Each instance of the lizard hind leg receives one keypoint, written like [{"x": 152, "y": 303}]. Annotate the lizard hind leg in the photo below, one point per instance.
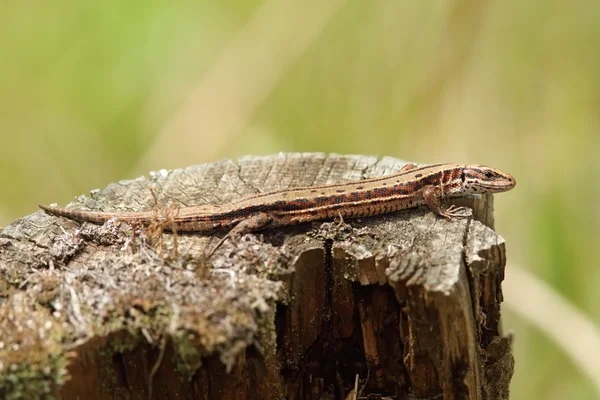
[{"x": 254, "y": 223}]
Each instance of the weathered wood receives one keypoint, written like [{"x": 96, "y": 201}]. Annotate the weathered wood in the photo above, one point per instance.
[{"x": 409, "y": 303}]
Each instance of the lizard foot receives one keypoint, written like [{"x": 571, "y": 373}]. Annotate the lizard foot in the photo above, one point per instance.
[{"x": 457, "y": 212}]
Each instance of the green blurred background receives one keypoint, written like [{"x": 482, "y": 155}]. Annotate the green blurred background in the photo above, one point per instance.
[{"x": 95, "y": 92}]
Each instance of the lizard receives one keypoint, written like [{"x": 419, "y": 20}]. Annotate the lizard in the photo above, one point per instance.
[{"x": 411, "y": 187}]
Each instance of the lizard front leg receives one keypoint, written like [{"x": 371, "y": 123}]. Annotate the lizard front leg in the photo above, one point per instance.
[
  {"x": 407, "y": 167},
  {"x": 432, "y": 198}
]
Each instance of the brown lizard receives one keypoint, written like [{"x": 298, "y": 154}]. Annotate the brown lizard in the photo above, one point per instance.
[{"x": 411, "y": 187}]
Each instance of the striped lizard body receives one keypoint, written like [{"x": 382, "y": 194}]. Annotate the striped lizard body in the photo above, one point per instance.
[{"x": 411, "y": 187}]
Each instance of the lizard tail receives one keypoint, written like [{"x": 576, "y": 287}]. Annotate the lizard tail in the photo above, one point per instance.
[{"x": 97, "y": 217}]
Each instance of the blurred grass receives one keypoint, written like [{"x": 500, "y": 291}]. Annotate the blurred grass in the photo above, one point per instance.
[{"x": 89, "y": 93}]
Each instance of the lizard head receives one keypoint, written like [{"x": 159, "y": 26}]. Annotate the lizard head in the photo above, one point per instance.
[{"x": 482, "y": 179}]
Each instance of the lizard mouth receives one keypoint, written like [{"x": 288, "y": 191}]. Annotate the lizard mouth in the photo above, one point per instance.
[{"x": 498, "y": 187}]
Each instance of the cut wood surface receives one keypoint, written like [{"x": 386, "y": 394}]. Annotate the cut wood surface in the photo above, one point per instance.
[{"x": 400, "y": 306}]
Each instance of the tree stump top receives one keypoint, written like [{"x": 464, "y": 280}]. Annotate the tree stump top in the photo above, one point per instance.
[{"x": 408, "y": 303}]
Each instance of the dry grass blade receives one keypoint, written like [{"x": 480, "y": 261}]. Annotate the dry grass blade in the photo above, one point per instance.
[{"x": 557, "y": 318}]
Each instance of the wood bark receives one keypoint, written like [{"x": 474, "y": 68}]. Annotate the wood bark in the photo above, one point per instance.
[{"x": 400, "y": 306}]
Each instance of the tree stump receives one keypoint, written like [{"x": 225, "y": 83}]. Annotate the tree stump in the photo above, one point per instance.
[{"x": 400, "y": 306}]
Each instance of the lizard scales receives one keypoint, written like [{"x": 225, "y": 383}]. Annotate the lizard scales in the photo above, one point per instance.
[{"x": 411, "y": 187}]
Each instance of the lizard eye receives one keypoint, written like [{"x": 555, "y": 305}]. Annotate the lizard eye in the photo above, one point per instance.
[{"x": 489, "y": 174}]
